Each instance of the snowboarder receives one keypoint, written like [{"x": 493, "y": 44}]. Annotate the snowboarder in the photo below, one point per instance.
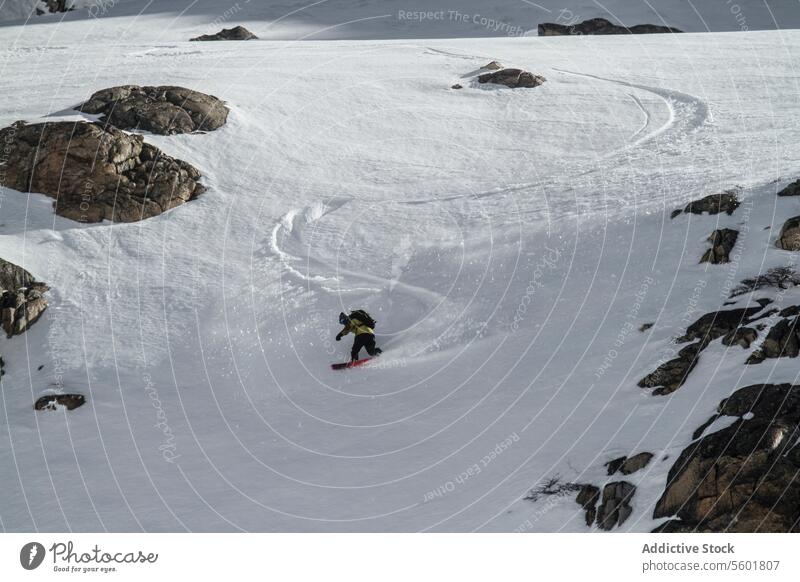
[{"x": 361, "y": 325}]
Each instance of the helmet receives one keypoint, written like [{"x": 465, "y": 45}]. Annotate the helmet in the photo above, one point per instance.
[{"x": 343, "y": 319}]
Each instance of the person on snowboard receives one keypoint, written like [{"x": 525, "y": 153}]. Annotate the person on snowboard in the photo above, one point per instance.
[{"x": 361, "y": 325}]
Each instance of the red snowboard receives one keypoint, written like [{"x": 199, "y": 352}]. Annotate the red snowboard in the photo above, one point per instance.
[{"x": 346, "y": 365}]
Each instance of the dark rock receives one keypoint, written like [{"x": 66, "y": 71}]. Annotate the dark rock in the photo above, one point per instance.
[
  {"x": 456, "y": 86},
  {"x": 513, "y": 78},
  {"x": 726, "y": 202},
  {"x": 792, "y": 189},
  {"x": 162, "y": 110},
  {"x": 600, "y": 26},
  {"x": 722, "y": 243},
  {"x": 743, "y": 336},
  {"x": 53, "y": 401},
  {"x": 742, "y": 478},
  {"x": 672, "y": 374},
  {"x": 717, "y": 324},
  {"x": 782, "y": 341},
  {"x": 236, "y": 33},
  {"x": 614, "y": 465},
  {"x": 645, "y": 326},
  {"x": 790, "y": 311},
  {"x": 587, "y": 498},
  {"x": 54, "y": 6},
  {"x": 789, "y": 238},
  {"x": 94, "y": 172},
  {"x": 635, "y": 463},
  {"x": 615, "y": 508},
  {"x": 22, "y": 299},
  {"x": 493, "y": 66}
]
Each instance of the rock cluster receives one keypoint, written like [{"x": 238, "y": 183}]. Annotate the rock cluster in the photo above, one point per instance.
[
  {"x": 726, "y": 202},
  {"x": 22, "y": 299},
  {"x": 54, "y": 6},
  {"x": 95, "y": 172},
  {"x": 53, "y": 401},
  {"x": 742, "y": 478},
  {"x": 235, "y": 33},
  {"x": 782, "y": 341},
  {"x": 722, "y": 242},
  {"x": 513, "y": 78},
  {"x": 164, "y": 110},
  {"x": 628, "y": 465},
  {"x": 672, "y": 374},
  {"x": 600, "y": 26}
]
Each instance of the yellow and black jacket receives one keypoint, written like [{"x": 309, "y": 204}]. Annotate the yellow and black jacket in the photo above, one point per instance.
[{"x": 356, "y": 327}]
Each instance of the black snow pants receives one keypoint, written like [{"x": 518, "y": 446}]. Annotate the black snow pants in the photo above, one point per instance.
[{"x": 364, "y": 340}]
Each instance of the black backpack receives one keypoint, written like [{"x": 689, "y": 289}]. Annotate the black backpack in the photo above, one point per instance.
[{"x": 364, "y": 318}]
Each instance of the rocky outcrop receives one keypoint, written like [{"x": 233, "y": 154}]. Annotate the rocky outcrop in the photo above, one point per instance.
[
  {"x": 615, "y": 507},
  {"x": 235, "y": 33},
  {"x": 742, "y": 478},
  {"x": 672, "y": 374},
  {"x": 789, "y": 238},
  {"x": 163, "y": 110},
  {"x": 94, "y": 172},
  {"x": 600, "y": 26},
  {"x": 54, "y": 401},
  {"x": 726, "y": 202},
  {"x": 588, "y": 496},
  {"x": 22, "y": 299},
  {"x": 722, "y": 242},
  {"x": 792, "y": 189},
  {"x": 513, "y": 78},
  {"x": 742, "y": 336},
  {"x": 628, "y": 465},
  {"x": 782, "y": 341},
  {"x": 54, "y": 6}
]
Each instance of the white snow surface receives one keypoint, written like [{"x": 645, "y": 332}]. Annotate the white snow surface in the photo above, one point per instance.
[{"x": 509, "y": 242}]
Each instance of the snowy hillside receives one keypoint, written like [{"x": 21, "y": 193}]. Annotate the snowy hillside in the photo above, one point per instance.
[
  {"x": 382, "y": 19},
  {"x": 510, "y": 243}
]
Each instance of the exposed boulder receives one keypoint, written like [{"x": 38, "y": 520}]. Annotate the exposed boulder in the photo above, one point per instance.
[
  {"x": 742, "y": 336},
  {"x": 615, "y": 508},
  {"x": 628, "y": 465},
  {"x": 671, "y": 375},
  {"x": 163, "y": 110},
  {"x": 722, "y": 242},
  {"x": 513, "y": 78},
  {"x": 635, "y": 463},
  {"x": 588, "y": 496},
  {"x": 726, "y": 202},
  {"x": 54, "y": 6},
  {"x": 742, "y": 478},
  {"x": 53, "y": 401},
  {"x": 600, "y": 26},
  {"x": 792, "y": 189},
  {"x": 456, "y": 86},
  {"x": 235, "y": 33},
  {"x": 94, "y": 172},
  {"x": 782, "y": 341},
  {"x": 718, "y": 323},
  {"x": 22, "y": 299},
  {"x": 789, "y": 238}
]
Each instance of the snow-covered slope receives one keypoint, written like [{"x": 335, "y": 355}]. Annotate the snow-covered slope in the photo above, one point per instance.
[
  {"x": 372, "y": 19},
  {"x": 509, "y": 242}
]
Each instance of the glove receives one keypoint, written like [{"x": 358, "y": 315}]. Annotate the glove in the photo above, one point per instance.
[{"x": 338, "y": 337}]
